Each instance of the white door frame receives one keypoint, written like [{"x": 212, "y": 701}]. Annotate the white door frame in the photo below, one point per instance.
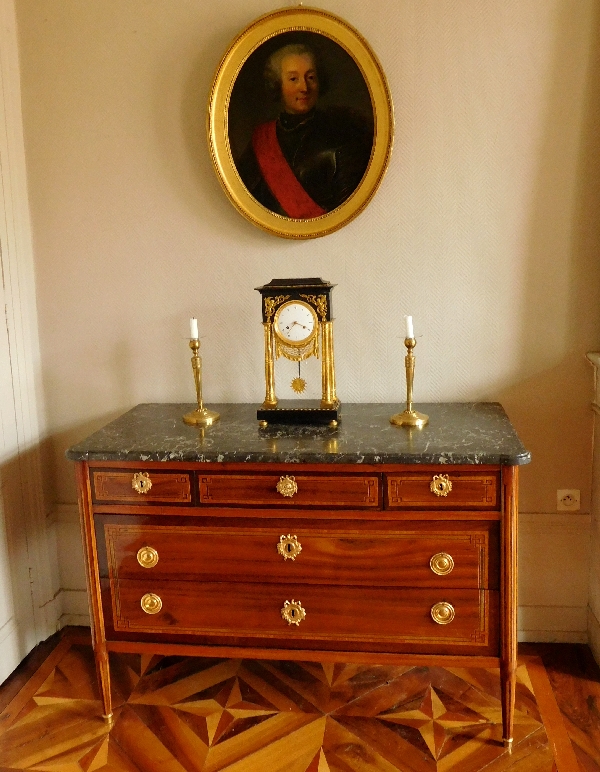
[{"x": 29, "y": 595}]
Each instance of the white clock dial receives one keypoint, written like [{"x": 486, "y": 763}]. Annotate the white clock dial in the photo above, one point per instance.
[{"x": 295, "y": 322}]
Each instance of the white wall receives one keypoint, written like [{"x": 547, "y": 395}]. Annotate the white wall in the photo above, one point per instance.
[{"x": 485, "y": 228}]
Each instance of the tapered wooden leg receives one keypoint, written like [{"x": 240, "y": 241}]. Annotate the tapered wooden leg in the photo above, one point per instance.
[
  {"x": 508, "y": 601},
  {"x": 507, "y": 674},
  {"x": 94, "y": 591},
  {"x": 103, "y": 672}
]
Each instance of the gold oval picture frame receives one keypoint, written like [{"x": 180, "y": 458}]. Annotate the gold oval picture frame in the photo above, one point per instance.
[{"x": 300, "y": 123}]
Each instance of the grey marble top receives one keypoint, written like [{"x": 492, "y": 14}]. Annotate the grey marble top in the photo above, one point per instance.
[{"x": 457, "y": 433}]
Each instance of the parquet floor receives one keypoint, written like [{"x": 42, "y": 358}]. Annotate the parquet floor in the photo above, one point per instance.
[{"x": 180, "y": 714}]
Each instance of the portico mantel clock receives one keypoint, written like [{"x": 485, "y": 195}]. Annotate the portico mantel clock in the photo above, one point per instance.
[{"x": 298, "y": 324}]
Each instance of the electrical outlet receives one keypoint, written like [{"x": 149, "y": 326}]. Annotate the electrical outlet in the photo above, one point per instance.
[{"x": 568, "y": 500}]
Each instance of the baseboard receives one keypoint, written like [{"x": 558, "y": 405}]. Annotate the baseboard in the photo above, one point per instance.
[
  {"x": 525, "y": 636},
  {"x": 554, "y": 564},
  {"x": 65, "y": 513},
  {"x": 552, "y": 624},
  {"x": 551, "y": 547},
  {"x": 593, "y": 627},
  {"x": 51, "y": 612},
  {"x": 74, "y": 620},
  {"x": 545, "y": 636},
  {"x": 74, "y": 608},
  {"x": 74, "y": 602},
  {"x": 12, "y": 652}
]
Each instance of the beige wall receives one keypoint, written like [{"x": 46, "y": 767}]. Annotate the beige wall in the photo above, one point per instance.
[{"x": 486, "y": 227}]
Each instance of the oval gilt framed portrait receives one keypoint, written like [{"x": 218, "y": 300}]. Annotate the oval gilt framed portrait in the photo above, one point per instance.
[{"x": 300, "y": 123}]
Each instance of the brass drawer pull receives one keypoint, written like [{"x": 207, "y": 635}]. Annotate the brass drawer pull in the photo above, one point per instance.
[
  {"x": 289, "y": 547},
  {"x": 287, "y": 486},
  {"x": 292, "y": 612},
  {"x": 442, "y": 613},
  {"x": 147, "y": 557},
  {"x": 441, "y": 485},
  {"x": 442, "y": 563},
  {"x": 151, "y": 603},
  {"x": 141, "y": 482}
]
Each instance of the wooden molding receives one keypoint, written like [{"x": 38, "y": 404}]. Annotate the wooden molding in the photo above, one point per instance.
[{"x": 23, "y": 509}]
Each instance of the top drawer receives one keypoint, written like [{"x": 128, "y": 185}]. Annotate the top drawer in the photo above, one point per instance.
[
  {"x": 141, "y": 487},
  {"x": 443, "y": 490},
  {"x": 300, "y": 490}
]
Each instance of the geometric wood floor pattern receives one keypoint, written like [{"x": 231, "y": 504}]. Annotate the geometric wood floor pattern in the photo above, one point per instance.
[{"x": 188, "y": 714}]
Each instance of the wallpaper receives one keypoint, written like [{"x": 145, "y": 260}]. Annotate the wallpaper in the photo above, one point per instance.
[{"x": 485, "y": 228}]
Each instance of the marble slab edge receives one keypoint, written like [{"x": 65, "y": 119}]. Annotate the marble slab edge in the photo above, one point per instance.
[
  {"x": 458, "y": 433},
  {"x": 304, "y": 458}
]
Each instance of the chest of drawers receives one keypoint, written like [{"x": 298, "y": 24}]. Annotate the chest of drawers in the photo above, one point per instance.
[{"x": 366, "y": 542}]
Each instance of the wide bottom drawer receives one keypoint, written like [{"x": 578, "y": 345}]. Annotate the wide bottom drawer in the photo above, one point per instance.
[{"x": 346, "y": 615}]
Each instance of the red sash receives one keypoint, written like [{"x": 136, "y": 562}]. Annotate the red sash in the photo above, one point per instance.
[{"x": 280, "y": 178}]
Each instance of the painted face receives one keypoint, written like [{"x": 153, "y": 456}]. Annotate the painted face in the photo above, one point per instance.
[{"x": 299, "y": 83}]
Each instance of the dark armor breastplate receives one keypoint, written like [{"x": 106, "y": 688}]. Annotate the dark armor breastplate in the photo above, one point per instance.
[{"x": 329, "y": 160}]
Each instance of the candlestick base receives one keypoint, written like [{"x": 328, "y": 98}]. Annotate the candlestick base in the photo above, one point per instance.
[
  {"x": 201, "y": 417},
  {"x": 410, "y": 418}
]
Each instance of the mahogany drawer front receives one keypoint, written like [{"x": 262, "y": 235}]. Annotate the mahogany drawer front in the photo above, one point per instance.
[
  {"x": 345, "y": 614},
  {"x": 349, "y": 491},
  {"x": 443, "y": 490},
  {"x": 141, "y": 487},
  {"x": 410, "y": 558}
]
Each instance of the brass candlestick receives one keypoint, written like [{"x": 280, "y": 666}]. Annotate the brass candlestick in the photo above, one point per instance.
[
  {"x": 409, "y": 417},
  {"x": 201, "y": 416}
]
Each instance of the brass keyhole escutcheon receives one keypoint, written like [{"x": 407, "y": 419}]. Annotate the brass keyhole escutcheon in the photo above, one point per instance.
[
  {"x": 289, "y": 547},
  {"x": 141, "y": 482},
  {"x": 292, "y": 612},
  {"x": 441, "y": 485},
  {"x": 442, "y": 563},
  {"x": 151, "y": 603},
  {"x": 147, "y": 557},
  {"x": 287, "y": 486},
  {"x": 442, "y": 613}
]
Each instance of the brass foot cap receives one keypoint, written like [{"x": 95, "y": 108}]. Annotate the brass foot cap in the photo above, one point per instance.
[{"x": 508, "y": 743}]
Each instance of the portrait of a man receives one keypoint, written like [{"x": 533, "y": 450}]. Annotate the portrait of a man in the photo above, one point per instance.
[{"x": 300, "y": 125}]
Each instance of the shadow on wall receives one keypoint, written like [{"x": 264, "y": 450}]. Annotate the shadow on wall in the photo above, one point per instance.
[
  {"x": 62, "y": 469},
  {"x": 114, "y": 384},
  {"x": 550, "y": 407},
  {"x": 191, "y": 173}
]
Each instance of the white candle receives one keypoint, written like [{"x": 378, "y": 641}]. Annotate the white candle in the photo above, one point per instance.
[
  {"x": 194, "y": 328},
  {"x": 409, "y": 327}
]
